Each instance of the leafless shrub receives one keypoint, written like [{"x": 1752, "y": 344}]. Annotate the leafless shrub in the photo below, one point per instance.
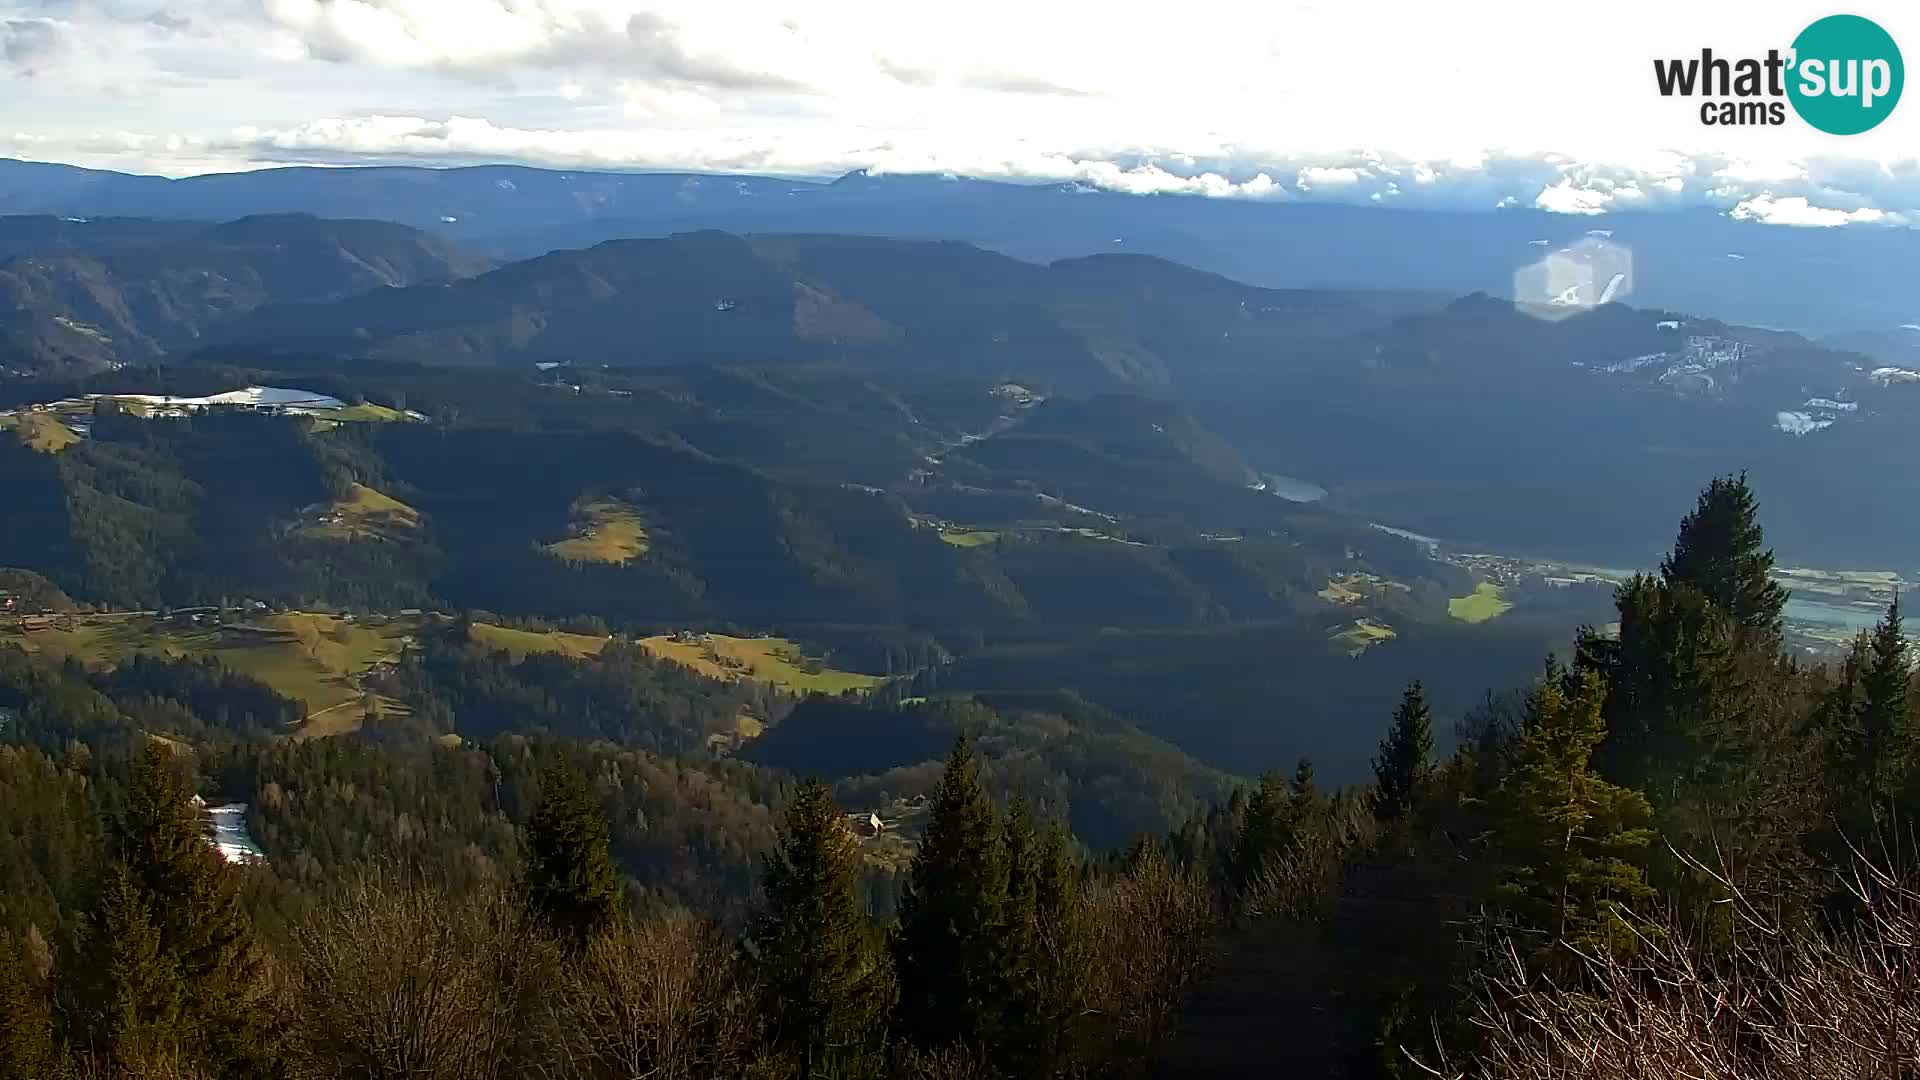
[
  {"x": 1780, "y": 1001},
  {"x": 661, "y": 999},
  {"x": 394, "y": 979},
  {"x": 1301, "y": 882},
  {"x": 152, "y": 1065},
  {"x": 951, "y": 1063},
  {"x": 1297, "y": 883},
  {"x": 1148, "y": 940}
]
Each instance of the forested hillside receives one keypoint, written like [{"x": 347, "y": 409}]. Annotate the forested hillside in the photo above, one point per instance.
[
  {"x": 1400, "y": 406},
  {"x": 1680, "y": 257},
  {"x": 961, "y": 529},
  {"x": 1674, "y": 852},
  {"x": 118, "y": 292}
]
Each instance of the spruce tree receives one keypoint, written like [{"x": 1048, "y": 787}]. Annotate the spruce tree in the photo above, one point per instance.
[
  {"x": 1057, "y": 877},
  {"x": 1303, "y": 792},
  {"x": 951, "y": 916},
  {"x": 1719, "y": 552},
  {"x": 570, "y": 881},
  {"x": 1265, "y": 829},
  {"x": 26, "y": 1015},
  {"x": 822, "y": 982},
  {"x": 136, "y": 993},
  {"x": 1019, "y": 1044},
  {"x": 174, "y": 881},
  {"x": 1406, "y": 756},
  {"x": 1570, "y": 842},
  {"x": 1676, "y": 694},
  {"x": 1063, "y": 952},
  {"x": 1306, "y": 808},
  {"x": 1885, "y": 747}
]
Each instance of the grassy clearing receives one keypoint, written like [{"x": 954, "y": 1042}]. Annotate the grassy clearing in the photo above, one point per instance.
[
  {"x": 605, "y": 531},
  {"x": 43, "y": 432},
  {"x": 769, "y": 660},
  {"x": 966, "y": 538},
  {"x": 519, "y": 643},
  {"x": 365, "y": 512},
  {"x": 367, "y": 413},
  {"x": 1488, "y": 601},
  {"x": 1353, "y": 588},
  {"x": 314, "y": 658},
  {"x": 1360, "y": 635}
]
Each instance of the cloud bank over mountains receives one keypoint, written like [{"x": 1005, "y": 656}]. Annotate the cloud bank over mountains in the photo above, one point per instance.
[{"x": 1302, "y": 101}]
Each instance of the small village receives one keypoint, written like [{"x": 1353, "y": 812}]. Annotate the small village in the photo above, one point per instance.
[{"x": 889, "y": 833}]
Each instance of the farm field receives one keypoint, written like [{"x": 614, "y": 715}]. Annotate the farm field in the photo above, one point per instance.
[
  {"x": 314, "y": 658},
  {"x": 1353, "y": 588},
  {"x": 1488, "y": 601},
  {"x": 771, "y": 660},
  {"x": 519, "y": 643},
  {"x": 367, "y": 413},
  {"x": 365, "y": 512},
  {"x": 605, "y": 531},
  {"x": 41, "y": 431},
  {"x": 966, "y": 538},
  {"x": 1360, "y": 635}
]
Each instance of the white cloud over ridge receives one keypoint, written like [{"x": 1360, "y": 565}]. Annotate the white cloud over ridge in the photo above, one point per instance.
[{"x": 1525, "y": 108}]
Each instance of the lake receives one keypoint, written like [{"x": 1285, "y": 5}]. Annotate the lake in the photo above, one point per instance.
[{"x": 1851, "y": 616}]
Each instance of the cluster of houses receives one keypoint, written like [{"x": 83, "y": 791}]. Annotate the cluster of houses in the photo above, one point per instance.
[{"x": 907, "y": 815}]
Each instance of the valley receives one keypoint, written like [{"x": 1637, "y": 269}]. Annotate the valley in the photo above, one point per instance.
[
  {"x": 602, "y": 539},
  {"x": 334, "y": 663},
  {"x": 1232, "y": 602},
  {"x": 1006, "y": 476}
]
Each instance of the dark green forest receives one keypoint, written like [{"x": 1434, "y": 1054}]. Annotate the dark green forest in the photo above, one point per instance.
[
  {"x": 1676, "y": 851},
  {"x": 1127, "y": 560},
  {"x": 1150, "y": 769}
]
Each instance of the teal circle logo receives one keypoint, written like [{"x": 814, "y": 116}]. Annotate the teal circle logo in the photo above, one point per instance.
[{"x": 1846, "y": 74}]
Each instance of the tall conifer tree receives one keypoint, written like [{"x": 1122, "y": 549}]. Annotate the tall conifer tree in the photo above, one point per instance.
[
  {"x": 1406, "y": 756},
  {"x": 174, "y": 884},
  {"x": 951, "y": 917},
  {"x": 26, "y": 1015},
  {"x": 1021, "y": 1037},
  {"x": 1571, "y": 843},
  {"x": 137, "y": 994},
  {"x": 571, "y": 883},
  {"x": 1720, "y": 553},
  {"x": 823, "y": 982},
  {"x": 1265, "y": 829}
]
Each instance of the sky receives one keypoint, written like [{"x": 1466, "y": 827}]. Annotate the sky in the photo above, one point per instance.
[{"x": 1473, "y": 105}]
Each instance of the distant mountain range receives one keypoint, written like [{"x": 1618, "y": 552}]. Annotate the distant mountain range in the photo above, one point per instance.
[
  {"x": 1821, "y": 281},
  {"x": 1105, "y": 322},
  {"x": 121, "y": 291},
  {"x": 1554, "y": 429}
]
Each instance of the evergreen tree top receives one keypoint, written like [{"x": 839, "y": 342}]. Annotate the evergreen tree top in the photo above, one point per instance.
[
  {"x": 570, "y": 879},
  {"x": 1406, "y": 755},
  {"x": 1720, "y": 551},
  {"x": 822, "y": 983}
]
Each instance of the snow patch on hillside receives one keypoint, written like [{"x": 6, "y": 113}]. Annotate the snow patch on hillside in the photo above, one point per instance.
[
  {"x": 227, "y": 831},
  {"x": 1798, "y": 423},
  {"x": 255, "y": 397}
]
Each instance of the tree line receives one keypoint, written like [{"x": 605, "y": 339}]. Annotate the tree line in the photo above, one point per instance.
[
  {"x": 1675, "y": 853},
  {"x": 1683, "y": 851},
  {"x": 1008, "y": 954}
]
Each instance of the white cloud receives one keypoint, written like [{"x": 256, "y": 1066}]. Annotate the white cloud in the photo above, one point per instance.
[
  {"x": 1540, "y": 107},
  {"x": 1320, "y": 176},
  {"x": 1796, "y": 210}
]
